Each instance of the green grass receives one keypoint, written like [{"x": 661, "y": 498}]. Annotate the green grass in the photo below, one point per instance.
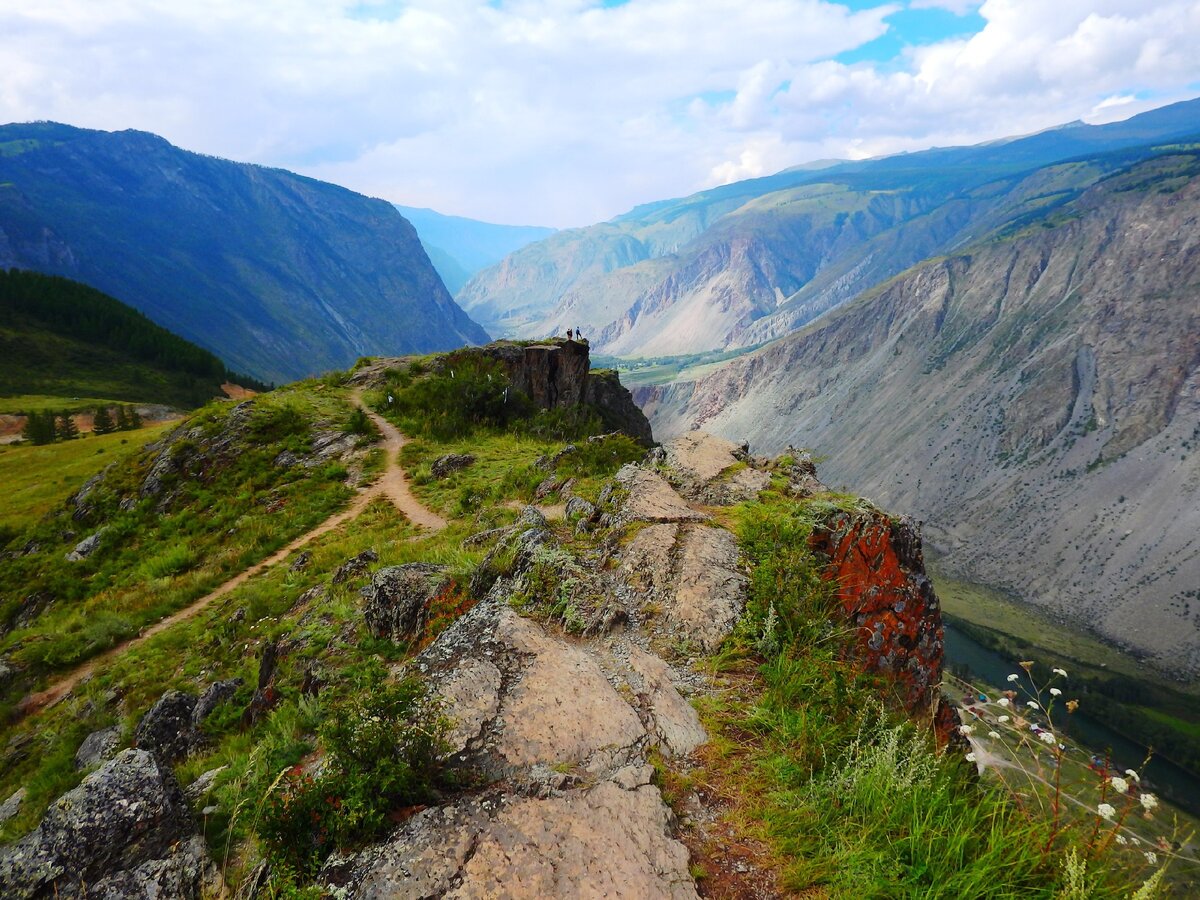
[
  {"x": 35, "y": 480},
  {"x": 851, "y": 797},
  {"x": 25, "y": 403},
  {"x": 215, "y": 516}
]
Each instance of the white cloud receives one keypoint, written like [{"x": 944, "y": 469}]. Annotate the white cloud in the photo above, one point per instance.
[{"x": 564, "y": 112}]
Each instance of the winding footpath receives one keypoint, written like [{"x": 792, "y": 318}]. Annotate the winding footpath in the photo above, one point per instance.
[{"x": 393, "y": 484}]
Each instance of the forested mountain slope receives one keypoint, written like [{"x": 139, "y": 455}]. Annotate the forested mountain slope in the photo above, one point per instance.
[
  {"x": 61, "y": 338},
  {"x": 279, "y": 275}
]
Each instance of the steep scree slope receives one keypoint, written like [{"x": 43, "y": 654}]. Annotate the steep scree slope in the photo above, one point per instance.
[{"x": 1035, "y": 400}]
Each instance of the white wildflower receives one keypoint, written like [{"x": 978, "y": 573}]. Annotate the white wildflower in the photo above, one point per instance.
[
  {"x": 1060, "y": 672},
  {"x": 1120, "y": 785},
  {"x": 1055, "y": 692},
  {"x": 1032, "y": 704},
  {"x": 1002, "y": 719},
  {"x": 1152, "y": 857},
  {"x": 970, "y": 757},
  {"x": 1106, "y": 810},
  {"x": 1014, "y": 677},
  {"x": 1122, "y": 840},
  {"x": 1133, "y": 775},
  {"x": 965, "y": 729},
  {"x": 1003, "y": 701},
  {"x": 1149, "y": 801},
  {"x": 1047, "y": 738},
  {"x": 994, "y": 735}
]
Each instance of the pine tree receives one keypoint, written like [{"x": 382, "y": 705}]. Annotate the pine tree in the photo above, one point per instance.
[
  {"x": 39, "y": 428},
  {"x": 135, "y": 419},
  {"x": 103, "y": 422},
  {"x": 67, "y": 429},
  {"x": 122, "y": 419}
]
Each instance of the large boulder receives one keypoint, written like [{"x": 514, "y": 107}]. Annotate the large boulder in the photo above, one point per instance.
[
  {"x": 126, "y": 831},
  {"x": 450, "y": 463},
  {"x": 397, "y": 599}
]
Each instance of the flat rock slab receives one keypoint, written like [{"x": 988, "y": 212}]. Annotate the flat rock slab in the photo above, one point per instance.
[
  {"x": 710, "y": 590},
  {"x": 652, "y": 499},
  {"x": 675, "y": 721},
  {"x": 612, "y": 841},
  {"x": 700, "y": 456},
  {"x": 646, "y": 561},
  {"x": 520, "y": 696}
]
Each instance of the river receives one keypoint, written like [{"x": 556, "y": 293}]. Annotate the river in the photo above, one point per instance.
[{"x": 1177, "y": 785}]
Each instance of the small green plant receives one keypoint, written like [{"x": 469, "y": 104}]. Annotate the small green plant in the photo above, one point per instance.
[
  {"x": 360, "y": 423},
  {"x": 382, "y": 748}
]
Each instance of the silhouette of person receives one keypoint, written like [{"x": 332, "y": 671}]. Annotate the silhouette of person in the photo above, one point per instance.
[{"x": 569, "y": 333}]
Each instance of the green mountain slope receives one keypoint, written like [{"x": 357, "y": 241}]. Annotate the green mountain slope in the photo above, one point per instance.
[
  {"x": 280, "y": 275},
  {"x": 65, "y": 339},
  {"x": 460, "y": 247},
  {"x": 747, "y": 262},
  {"x": 1034, "y": 397}
]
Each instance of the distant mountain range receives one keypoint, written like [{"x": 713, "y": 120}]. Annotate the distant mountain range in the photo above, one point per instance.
[
  {"x": 281, "y": 276},
  {"x": 742, "y": 264},
  {"x": 60, "y": 338},
  {"x": 1034, "y": 395},
  {"x": 460, "y": 247}
]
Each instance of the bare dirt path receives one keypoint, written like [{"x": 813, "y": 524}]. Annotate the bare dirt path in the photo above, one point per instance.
[{"x": 393, "y": 484}]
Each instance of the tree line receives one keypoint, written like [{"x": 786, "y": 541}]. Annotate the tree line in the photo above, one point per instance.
[
  {"x": 76, "y": 310},
  {"x": 47, "y": 427}
]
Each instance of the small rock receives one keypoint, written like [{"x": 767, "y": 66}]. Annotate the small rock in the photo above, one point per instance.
[
  {"x": 354, "y": 566},
  {"x": 203, "y": 784},
  {"x": 450, "y": 463},
  {"x": 86, "y": 547},
  {"x": 301, "y": 561},
  {"x": 580, "y": 509},
  {"x": 12, "y": 805},
  {"x": 99, "y": 746},
  {"x": 214, "y": 695},
  {"x": 397, "y": 599}
]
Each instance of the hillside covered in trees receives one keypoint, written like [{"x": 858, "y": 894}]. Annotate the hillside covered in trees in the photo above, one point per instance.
[{"x": 62, "y": 338}]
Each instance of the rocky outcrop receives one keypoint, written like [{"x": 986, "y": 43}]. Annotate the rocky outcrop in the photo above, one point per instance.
[
  {"x": 877, "y": 565},
  {"x": 99, "y": 746},
  {"x": 396, "y": 601},
  {"x": 450, "y": 463},
  {"x": 171, "y": 728},
  {"x": 126, "y": 831}
]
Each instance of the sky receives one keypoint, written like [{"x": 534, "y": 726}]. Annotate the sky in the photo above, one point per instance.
[{"x": 568, "y": 112}]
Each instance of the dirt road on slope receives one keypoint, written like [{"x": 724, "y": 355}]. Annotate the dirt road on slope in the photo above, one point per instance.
[{"x": 393, "y": 484}]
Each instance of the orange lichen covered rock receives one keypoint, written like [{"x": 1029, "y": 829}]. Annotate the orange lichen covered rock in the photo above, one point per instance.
[{"x": 879, "y": 569}]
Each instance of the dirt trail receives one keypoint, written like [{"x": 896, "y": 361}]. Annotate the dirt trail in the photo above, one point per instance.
[{"x": 393, "y": 484}]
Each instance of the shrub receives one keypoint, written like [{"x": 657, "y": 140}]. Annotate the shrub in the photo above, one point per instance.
[{"x": 382, "y": 753}]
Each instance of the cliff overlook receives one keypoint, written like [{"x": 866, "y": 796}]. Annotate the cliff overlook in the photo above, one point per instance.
[{"x": 433, "y": 627}]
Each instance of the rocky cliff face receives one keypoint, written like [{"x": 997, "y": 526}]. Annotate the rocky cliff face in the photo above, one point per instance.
[
  {"x": 553, "y": 374},
  {"x": 281, "y": 276},
  {"x": 1034, "y": 401}
]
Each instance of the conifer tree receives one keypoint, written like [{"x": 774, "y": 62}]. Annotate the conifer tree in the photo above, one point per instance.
[
  {"x": 39, "y": 428},
  {"x": 135, "y": 419},
  {"x": 122, "y": 419},
  {"x": 103, "y": 421},
  {"x": 67, "y": 429}
]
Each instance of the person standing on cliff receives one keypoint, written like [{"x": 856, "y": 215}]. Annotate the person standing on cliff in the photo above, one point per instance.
[
  {"x": 569, "y": 334},
  {"x": 579, "y": 334}
]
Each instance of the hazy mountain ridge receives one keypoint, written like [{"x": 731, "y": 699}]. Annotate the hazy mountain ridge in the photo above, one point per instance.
[
  {"x": 1034, "y": 398},
  {"x": 741, "y": 264},
  {"x": 280, "y": 275},
  {"x": 459, "y": 247}
]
